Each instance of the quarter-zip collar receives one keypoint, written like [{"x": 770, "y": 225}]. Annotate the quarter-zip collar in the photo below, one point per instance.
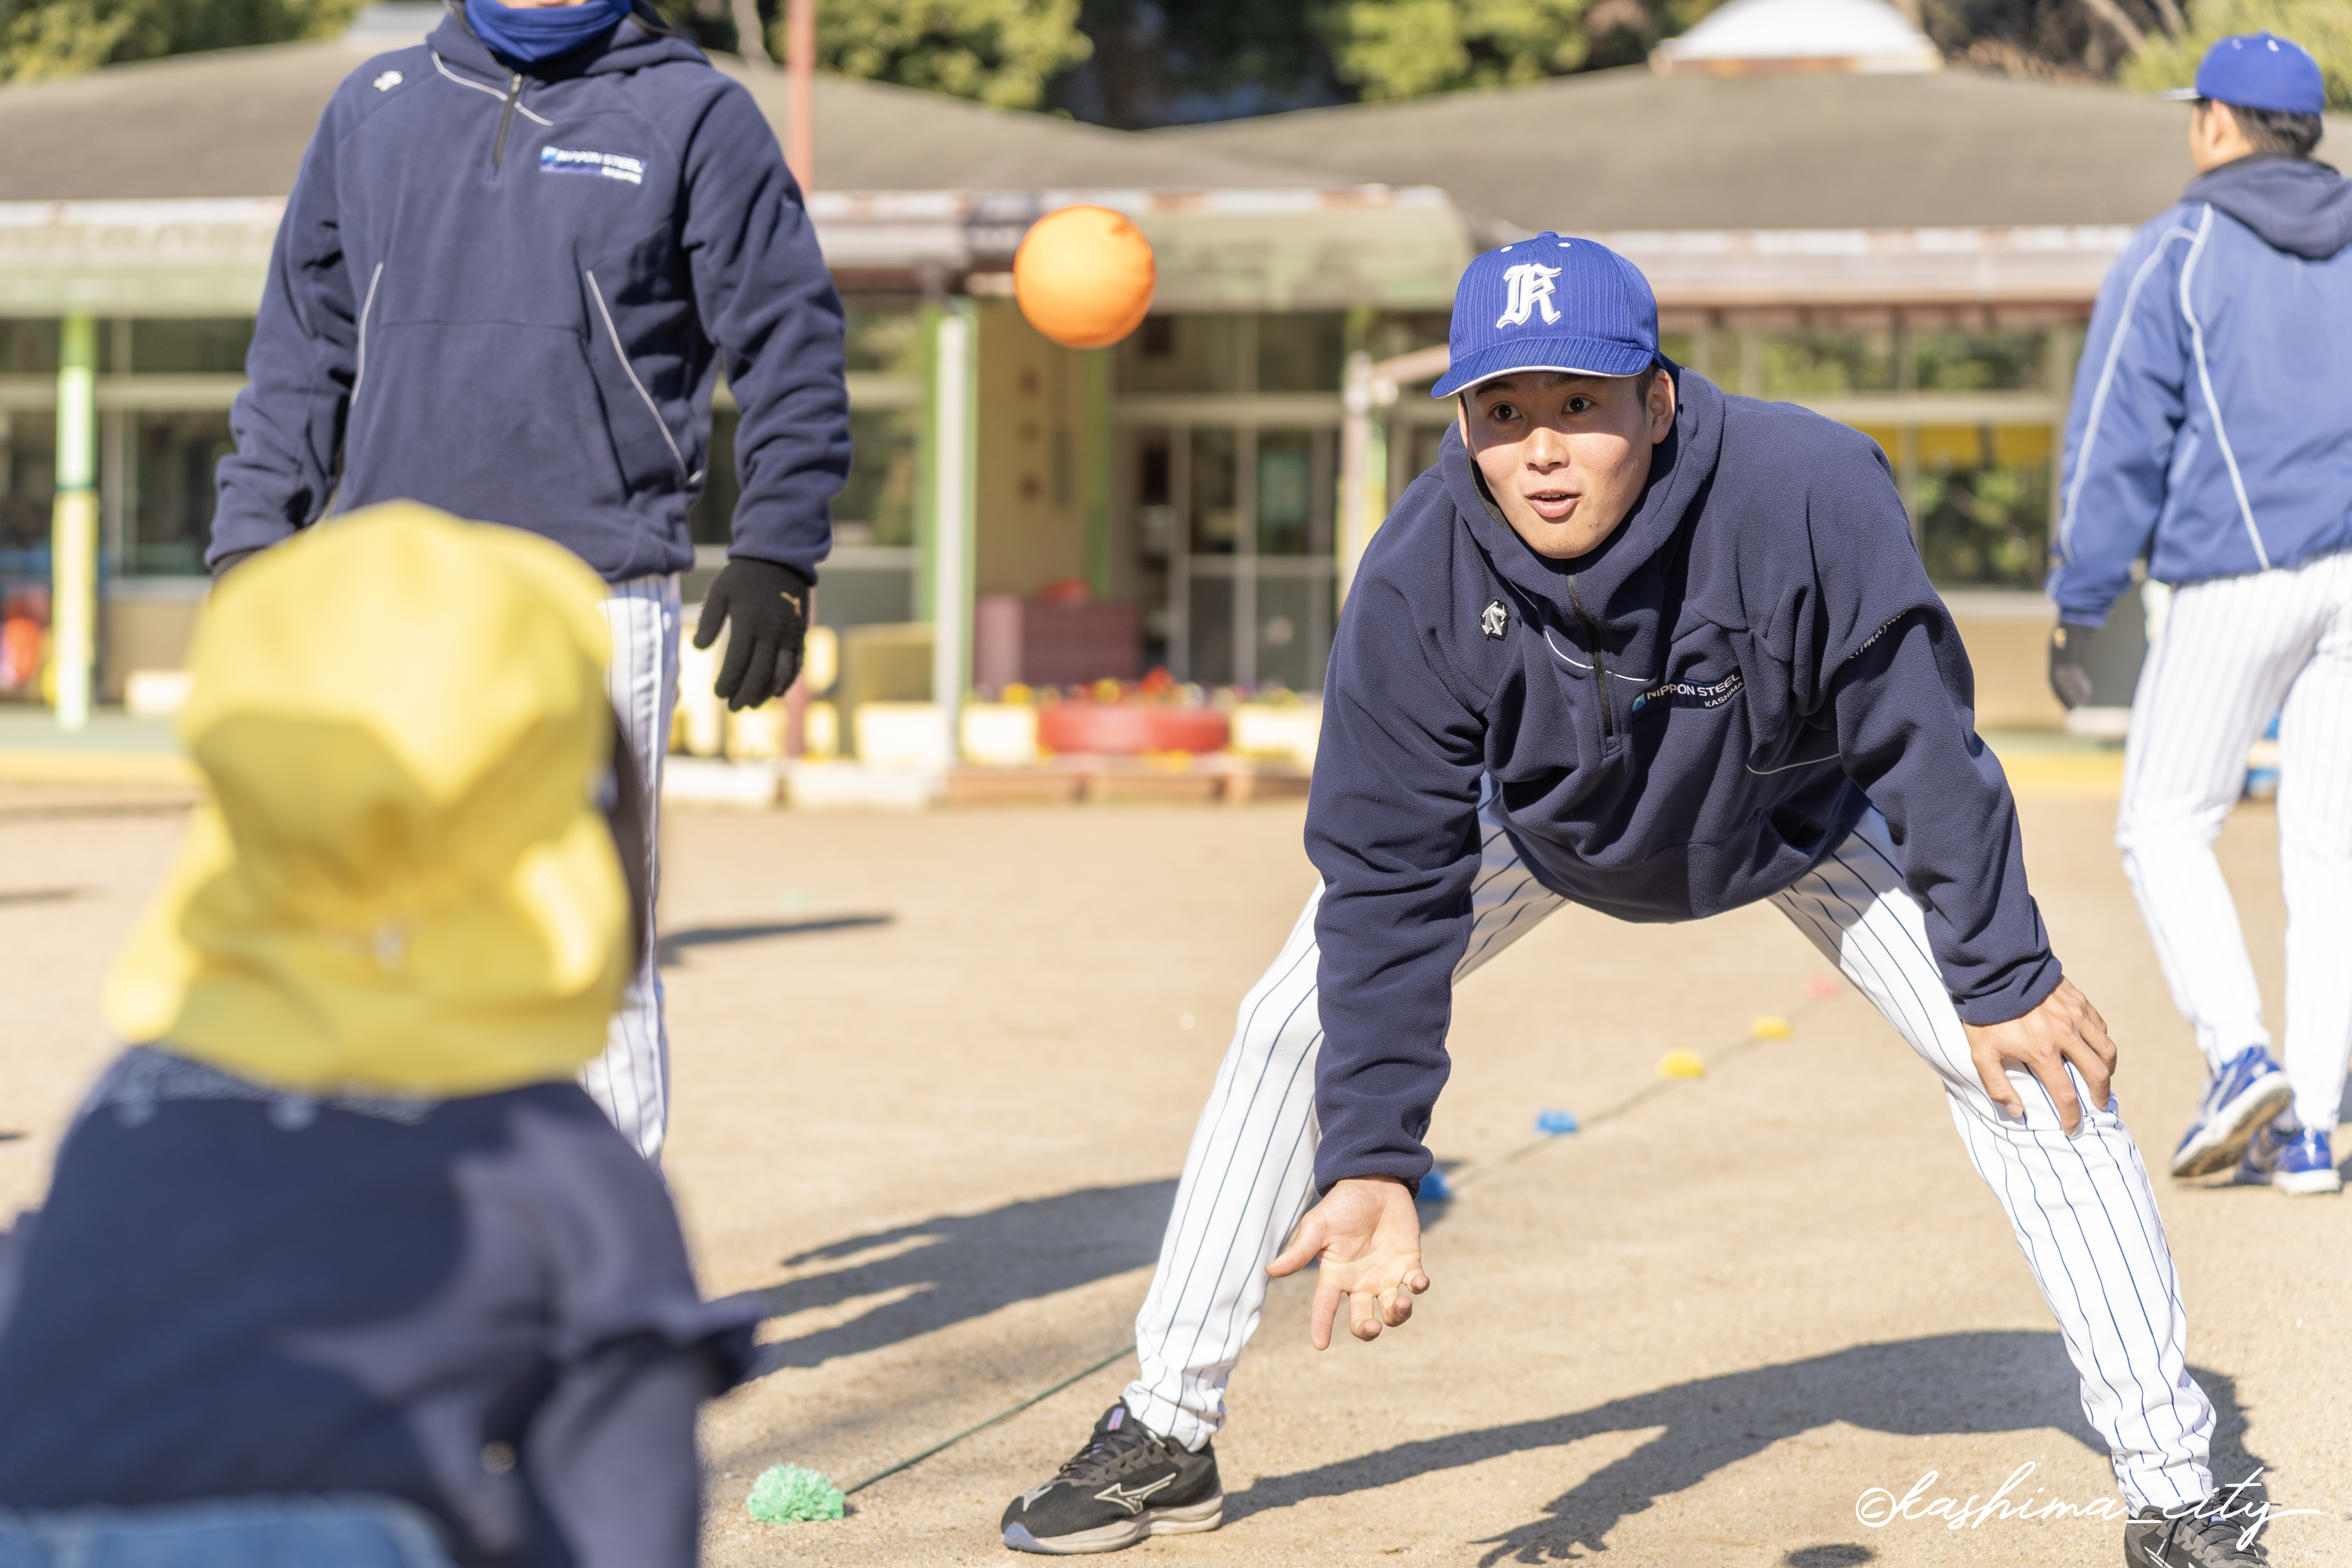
[
  {"x": 1606, "y": 601},
  {"x": 630, "y": 47}
]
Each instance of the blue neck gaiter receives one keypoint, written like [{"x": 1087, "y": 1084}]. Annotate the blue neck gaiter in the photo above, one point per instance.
[{"x": 526, "y": 34}]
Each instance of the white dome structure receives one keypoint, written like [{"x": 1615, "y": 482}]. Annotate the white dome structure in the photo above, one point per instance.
[{"x": 1754, "y": 37}]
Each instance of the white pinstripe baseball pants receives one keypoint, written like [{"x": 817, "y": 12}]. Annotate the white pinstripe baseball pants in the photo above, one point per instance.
[
  {"x": 2234, "y": 651},
  {"x": 2081, "y": 1207},
  {"x": 631, "y": 1079}
]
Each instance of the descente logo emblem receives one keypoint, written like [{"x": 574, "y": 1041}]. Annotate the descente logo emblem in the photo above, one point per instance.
[
  {"x": 1494, "y": 618},
  {"x": 576, "y": 161}
]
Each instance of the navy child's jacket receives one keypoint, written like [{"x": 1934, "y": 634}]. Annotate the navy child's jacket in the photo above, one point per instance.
[
  {"x": 503, "y": 294},
  {"x": 1682, "y": 722}
]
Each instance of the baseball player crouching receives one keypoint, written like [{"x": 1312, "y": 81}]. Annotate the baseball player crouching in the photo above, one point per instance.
[
  {"x": 1663, "y": 652},
  {"x": 2208, "y": 435}
]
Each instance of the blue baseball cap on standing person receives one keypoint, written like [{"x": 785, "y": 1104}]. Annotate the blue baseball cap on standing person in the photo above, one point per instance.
[
  {"x": 2258, "y": 70},
  {"x": 1549, "y": 303}
]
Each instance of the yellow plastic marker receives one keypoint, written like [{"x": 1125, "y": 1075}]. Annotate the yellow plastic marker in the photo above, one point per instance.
[
  {"x": 1771, "y": 1028},
  {"x": 1681, "y": 1064}
]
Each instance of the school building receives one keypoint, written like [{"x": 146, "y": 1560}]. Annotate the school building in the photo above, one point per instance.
[{"x": 1827, "y": 217}]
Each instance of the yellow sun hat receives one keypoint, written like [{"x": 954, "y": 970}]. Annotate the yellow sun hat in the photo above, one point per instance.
[{"x": 400, "y": 880}]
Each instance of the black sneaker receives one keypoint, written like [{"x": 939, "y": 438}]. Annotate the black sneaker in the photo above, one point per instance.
[
  {"x": 1127, "y": 1482},
  {"x": 2155, "y": 1538}
]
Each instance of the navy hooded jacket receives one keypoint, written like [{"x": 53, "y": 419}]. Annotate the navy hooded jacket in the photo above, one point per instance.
[
  {"x": 2211, "y": 428},
  {"x": 1683, "y": 721},
  {"x": 503, "y": 294}
]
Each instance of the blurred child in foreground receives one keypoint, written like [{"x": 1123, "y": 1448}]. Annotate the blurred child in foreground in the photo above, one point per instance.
[{"x": 339, "y": 1264}]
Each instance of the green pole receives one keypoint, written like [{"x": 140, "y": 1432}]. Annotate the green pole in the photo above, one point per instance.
[
  {"x": 1097, "y": 432},
  {"x": 73, "y": 526},
  {"x": 955, "y": 388}
]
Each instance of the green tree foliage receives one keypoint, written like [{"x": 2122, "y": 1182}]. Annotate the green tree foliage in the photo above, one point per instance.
[
  {"x": 1393, "y": 49},
  {"x": 2322, "y": 27},
  {"x": 64, "y": 37},
  {"x": 1000, "y": 52}
]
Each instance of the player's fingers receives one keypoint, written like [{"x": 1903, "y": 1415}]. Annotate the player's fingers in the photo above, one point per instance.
[
  {"x": 1994, "y": 1074},
  {"x": 774, "y": 670},
  {"x": 1302, "y": 1250},
  {"x": 2049, "y": 1064},
  {"x": 1396, "y": 1304},
  {"x": 734, "y": 667},
  {"x": 2094, "y": 1030},
  {"x": 1319, "y": 1316},
  {"x": 714, "y": 615},
  {"x": 759, "y": 671},
  {"x": 2097, "y": 1066},
  {"x": 1364, "y": 1315}
]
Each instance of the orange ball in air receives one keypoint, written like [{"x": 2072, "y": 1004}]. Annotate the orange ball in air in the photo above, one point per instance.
[{"x": 1083, "y": 277}]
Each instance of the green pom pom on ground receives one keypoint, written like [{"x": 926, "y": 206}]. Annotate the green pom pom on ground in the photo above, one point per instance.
[{"x": 787, "y": 1494}]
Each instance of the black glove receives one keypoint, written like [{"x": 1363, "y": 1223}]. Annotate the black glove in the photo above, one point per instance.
[
  {"x": 2070, "y": 674},
  {"x": 765, "y": 609}
]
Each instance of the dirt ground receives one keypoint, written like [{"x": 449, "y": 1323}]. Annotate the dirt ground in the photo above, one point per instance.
[{"x": 934, "y": 1078}]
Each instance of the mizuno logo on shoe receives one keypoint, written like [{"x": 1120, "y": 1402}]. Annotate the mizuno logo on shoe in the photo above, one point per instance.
[{"x": 1120, "y": 1497}]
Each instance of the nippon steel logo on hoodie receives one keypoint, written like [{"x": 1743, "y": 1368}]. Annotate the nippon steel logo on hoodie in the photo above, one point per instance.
[{"x": 576, "y": 161}]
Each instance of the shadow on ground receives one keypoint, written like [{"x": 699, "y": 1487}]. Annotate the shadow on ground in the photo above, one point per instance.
[
  {"x": 959, "y": 1267},
  {"x": 1975, "y": 1382},
  {"x": 671, "y": 950}
]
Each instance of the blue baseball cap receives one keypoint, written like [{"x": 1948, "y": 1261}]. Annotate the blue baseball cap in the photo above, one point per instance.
[
  {"x": 2258, "y": 70},
  {"x": 1549, "y": 303}
]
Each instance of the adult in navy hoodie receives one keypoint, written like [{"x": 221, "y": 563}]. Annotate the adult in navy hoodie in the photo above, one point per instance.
[
  {"x": 509, "y": 270},
  {"x": 1639, "y": 646},
  {"x": 2210, "y": 438}
]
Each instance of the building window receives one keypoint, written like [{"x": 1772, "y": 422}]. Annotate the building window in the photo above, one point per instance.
[
  {"x": 1983, "y": 504},
  {"x": 1206, "y": 353},
  {"x": 170, "y": 508},
  {"x": 28, "y": 347},
  {"x": 875, "y": 507},
  {"x": 1301, "y": 353},
  {"x": 886, "y": 339},
  {"x": 191, "y": 347}
]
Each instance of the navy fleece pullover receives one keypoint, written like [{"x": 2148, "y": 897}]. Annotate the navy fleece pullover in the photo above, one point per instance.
[
  {"x": 1682, "y": 722},
  {"x": 503, "y": 294}
]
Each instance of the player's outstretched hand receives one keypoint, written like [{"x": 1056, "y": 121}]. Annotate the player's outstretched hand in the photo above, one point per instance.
[
  {"x": 2064, "y": 1029},
  {"x": 764, "y": 608},
  {"x": 1368, "y": 1238}
]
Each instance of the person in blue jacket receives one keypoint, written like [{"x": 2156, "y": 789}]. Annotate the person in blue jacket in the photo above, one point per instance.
[
  {"x": 2211, "y": 438},
  {"x": 512, "y": 261},
  {"x": 1639, "y": 646}
]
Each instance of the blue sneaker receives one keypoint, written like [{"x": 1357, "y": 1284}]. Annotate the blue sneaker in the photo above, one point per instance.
[
  {"x": 2247, "y": 1091},
  {"x": 2298, "y": 1164}
]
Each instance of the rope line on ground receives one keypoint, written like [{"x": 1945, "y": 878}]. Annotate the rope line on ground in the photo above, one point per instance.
[
  {"x": 909, "y": 1464},
  {"x": 1647, "y": 1092}
]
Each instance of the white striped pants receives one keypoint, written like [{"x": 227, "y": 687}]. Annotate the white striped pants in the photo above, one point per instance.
[
  {"x": 2234, "y": 651},
  {"x": 631, "y": 1079},
  {"x": 2081, "y": 1206}
]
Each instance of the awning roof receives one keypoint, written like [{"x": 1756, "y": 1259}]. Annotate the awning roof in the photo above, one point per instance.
[
  {"x": 155, "y": 188},
  {"x": 1634, "y": 150}
]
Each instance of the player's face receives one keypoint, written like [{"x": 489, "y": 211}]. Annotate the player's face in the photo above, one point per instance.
[{"x": 1566, "y": 455}]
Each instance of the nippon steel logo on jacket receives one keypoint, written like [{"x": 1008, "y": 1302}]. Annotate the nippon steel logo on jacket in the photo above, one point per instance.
[
  {"x": 1690, "y": 693},
  {"x": 578, "y": 160}
]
